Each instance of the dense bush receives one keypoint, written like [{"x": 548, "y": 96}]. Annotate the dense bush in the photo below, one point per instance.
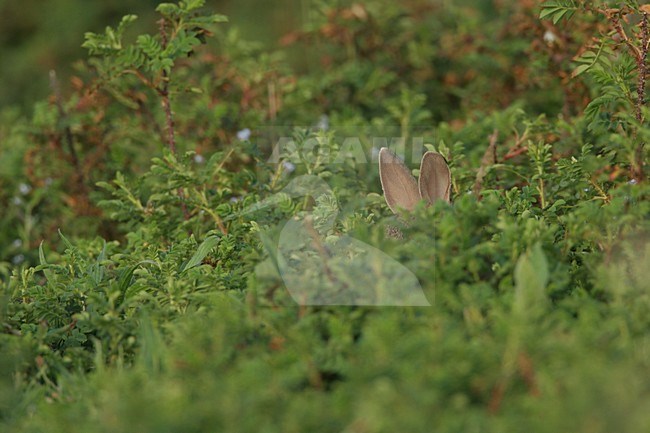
[{"x": 141, "y": 279}]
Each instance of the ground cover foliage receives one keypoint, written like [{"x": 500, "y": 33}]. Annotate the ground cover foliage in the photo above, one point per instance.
[{"x": 140, "y": 278}]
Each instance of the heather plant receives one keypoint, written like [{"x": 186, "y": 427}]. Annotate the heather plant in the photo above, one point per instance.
[{"x": 157, "y": 285}]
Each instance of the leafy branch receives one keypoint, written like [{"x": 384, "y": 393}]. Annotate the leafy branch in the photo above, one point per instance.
[
  {"x": 622, "y": 77},
  {"x": 152, "y": 58}
]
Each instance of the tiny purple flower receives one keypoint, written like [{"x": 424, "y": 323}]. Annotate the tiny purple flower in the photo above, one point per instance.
[
  {"x": 244, "y": 134},
  {"x": 549, "y": 37},
  {"x": 24, "y": 188},
  {"x": 288, "y": 166}
]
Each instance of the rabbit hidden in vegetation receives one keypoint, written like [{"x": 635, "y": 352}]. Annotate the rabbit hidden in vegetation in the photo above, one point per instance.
[{"x": 402, "y": 191}]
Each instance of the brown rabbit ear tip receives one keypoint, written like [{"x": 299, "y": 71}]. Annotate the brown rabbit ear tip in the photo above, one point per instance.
[
  {"x": 399, "y": 186},
  {"x": 435, "y": 178},
  {"x": 435, "y": 154},
  {"x": 384, "y": 151}
]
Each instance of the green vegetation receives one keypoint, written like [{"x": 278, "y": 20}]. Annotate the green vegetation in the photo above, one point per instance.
[{"x": 140, "y": 278}]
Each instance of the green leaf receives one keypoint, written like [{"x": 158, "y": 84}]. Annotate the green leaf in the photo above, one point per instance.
[
  {"x": 190, "y": 5},
  {"x": 126, "y": 21},
  {"x": 65, "y": 240},
  {"x": 49, "y": 276},
  {"x": 202, "y": 251},
  {"x": 126, "y": 276},
  {"x": 96, "y": 270},
  {"x": 168, "y": 9},
  {"x": 558, "y": 16},
  {"x": 548, "y": 9},
  {"x": 531, "y": 277},
  {"x": 557, "y": 10},
  {"x": 580, "y": 69},
  {"x": 216, "y": 18}
]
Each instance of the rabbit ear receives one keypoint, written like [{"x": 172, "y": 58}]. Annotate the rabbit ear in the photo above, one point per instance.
[
  {"x": 435, "y": 178},
  {"x": 400, "y": 188}
]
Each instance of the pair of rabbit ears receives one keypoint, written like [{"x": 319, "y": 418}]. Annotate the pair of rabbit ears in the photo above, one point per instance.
[{"x": 401, "y": 189}]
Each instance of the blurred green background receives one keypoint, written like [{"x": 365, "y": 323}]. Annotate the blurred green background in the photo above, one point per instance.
[{"x": 37, "y": 36}]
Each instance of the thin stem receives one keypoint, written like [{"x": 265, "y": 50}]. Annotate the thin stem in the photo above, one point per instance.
[
  {"x": 164, "y": 93},
  {"x": 641, "y": 64},
  {"x": 56, "y": 89},
  {"x": 540, "y": 189},
  {"x": 140, "y": 76},
  {"x": 612, "y": 16},
  {"x": 163, "y": 90},
  {"x": 171, "y": 139},
  {"x": 640, "y": 55},
  {"x": 640, "y": 103},
  {"x": 603, "y": 195},
  {"x": 217, "y": 219}
]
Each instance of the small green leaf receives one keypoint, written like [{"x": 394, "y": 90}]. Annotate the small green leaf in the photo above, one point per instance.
[
  {"x": 531, "y": 277},
  {"x": 216, "y": 18},
  {"x": 190, "y": 5},
  {"x": 548, "y": 9},
  {"x": 558, "y": 16},
  {"x": 96, "y": 270},
  {"x": 67, "y": 243},
  {"x": 202, "y": 251},
  {"x": 126, "y": 276},
  {"x": 49, "y": 276},
  {"x": 126, "y": 21},
  {"x": 580, "y": 69},
  {"x": 168, "y": 9}
]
